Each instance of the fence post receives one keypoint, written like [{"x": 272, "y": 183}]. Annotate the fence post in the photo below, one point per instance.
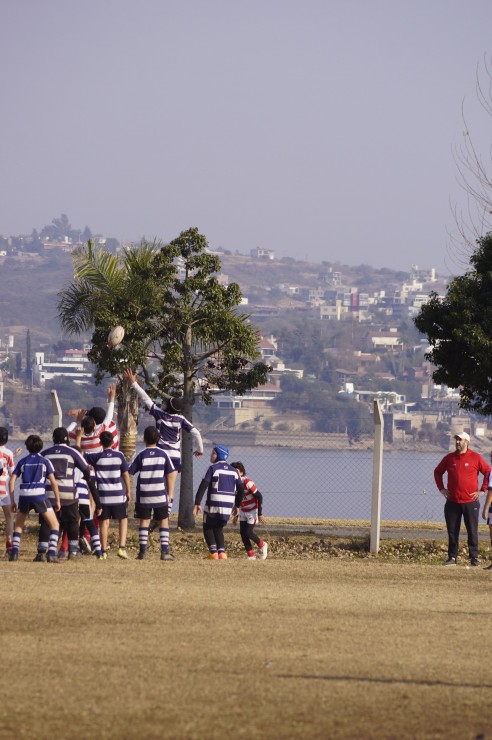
[
  {"x": 56, "y": 409},
  {"x": 377, "y": 477}
]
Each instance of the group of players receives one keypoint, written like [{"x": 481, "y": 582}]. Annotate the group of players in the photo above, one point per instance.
[{"x": 82, "y": 482}]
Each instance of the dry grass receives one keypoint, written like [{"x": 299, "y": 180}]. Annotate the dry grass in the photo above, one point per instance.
[{"x": 286, "y": 648}]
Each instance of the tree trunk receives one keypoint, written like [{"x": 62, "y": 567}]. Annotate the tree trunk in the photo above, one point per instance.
[
  {"x": 186, "y": 520},
  {"x": 127, "y": 415}
]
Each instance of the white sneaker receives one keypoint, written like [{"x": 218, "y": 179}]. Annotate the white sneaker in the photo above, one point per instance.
[
  {"x": 264, "y": 551},
  {"x": 84, "y": 546},
  {"x": 251, "y": 557}
]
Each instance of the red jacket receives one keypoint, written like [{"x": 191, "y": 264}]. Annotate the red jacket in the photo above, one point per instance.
[{"x": 463, "y": 471}]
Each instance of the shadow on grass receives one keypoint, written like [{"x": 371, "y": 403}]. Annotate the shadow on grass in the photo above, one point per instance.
[{"x": 405, "y": 681}]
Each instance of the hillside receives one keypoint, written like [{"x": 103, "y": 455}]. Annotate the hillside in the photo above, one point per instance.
[
  {"x": 30, "y": 283},
  {"x": 29, "y": 287}
]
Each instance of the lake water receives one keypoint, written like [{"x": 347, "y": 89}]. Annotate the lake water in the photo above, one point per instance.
[{"x": 336, "y": 485}]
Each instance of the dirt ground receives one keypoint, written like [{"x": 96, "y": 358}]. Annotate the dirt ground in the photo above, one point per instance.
[{"x": 299, "y": 645}]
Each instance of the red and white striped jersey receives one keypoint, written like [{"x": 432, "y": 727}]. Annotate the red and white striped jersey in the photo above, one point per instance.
[
  {"x": 249, "y": 502},
  {"x": 91, "y": 443},
  {"x": 7, "y": 458}
]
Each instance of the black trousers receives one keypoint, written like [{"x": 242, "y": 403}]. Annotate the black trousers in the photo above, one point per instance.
[
  {"x": 248, "y": 533},
  {"x": 213, "y": 532},
  {"x": 453, "y": 513},
  {"x": 68, "y": 516},
  {"x": 86, "y": 521}
]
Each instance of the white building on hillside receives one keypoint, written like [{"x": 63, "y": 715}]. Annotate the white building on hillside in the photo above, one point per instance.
[{"x": 71, "y": 364}]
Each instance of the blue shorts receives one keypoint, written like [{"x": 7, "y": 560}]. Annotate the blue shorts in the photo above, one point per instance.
[{"x": 28, "y": 503}]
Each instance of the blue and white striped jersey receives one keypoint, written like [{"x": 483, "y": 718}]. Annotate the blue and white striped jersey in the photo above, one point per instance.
[
  {"x": 33, "y": 471},
  {"x": 108, "y": 467},
  {"x": 169, "y": 427},
  {"x": 82, "y": 487},
  {"x": 223, "y": 483},
  {"x": 65, "y": 461},
  {"x": 152, "y": 466}
]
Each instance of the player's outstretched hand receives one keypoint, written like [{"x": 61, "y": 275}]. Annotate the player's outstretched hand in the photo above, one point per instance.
[
  {"x": 130, "y": 375},
  {"x": 73, "y": 413}
]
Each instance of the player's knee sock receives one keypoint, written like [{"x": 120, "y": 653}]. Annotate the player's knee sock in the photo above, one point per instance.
[
  {"x": 73, "y": 545},
  {"x": 164, "y": 538},
  {"x": 16, "y": 542},
  {"x": 94, "y": 535},
  {"x": 96, "y": 542},
  {"x": 42, "y": 547},
  {"x": 252, "y": 536},
  {"x": 53, "y": 542},
  {"x": 143, "y": 538}
]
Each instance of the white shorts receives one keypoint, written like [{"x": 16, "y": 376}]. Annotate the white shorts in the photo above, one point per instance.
[
  {"x": 248, "y": 516},
  {"x": 5, "y": 501}
]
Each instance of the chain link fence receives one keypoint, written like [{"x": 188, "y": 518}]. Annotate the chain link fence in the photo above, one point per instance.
[{"x": 321, "y": 476}]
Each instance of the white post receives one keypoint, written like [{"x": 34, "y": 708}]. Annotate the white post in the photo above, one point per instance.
[
  {"x": 56, "y": 408},
  {"x": 377, "y": 477}
]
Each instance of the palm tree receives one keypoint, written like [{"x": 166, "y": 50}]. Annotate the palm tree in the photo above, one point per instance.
[{"x": 106, "y": 291}]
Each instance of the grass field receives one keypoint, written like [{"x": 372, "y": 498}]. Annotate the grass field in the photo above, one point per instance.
[{"x": 289, "y": 647}]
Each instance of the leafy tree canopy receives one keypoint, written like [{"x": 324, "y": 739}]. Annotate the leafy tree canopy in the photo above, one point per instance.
[
  {"x": 459, "y": 331},
  {"x": 182, "y": 327}
]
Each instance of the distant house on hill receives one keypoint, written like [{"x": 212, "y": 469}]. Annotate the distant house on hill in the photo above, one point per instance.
[
  {"x": 262, "y": 254},
  {"x": 387, "y": 340}
]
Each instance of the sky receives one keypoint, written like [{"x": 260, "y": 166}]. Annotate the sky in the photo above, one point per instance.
[{"x": 321, "y": 129}]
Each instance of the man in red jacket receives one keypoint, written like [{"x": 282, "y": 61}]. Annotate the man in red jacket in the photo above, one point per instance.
[{"x": 462, "y": 492}]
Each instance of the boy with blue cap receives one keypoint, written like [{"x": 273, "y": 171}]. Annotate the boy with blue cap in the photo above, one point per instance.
[{"x": 225, "y": 492}]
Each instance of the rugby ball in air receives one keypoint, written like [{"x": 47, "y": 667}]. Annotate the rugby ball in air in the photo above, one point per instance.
[{"x": 115, "y": 336}]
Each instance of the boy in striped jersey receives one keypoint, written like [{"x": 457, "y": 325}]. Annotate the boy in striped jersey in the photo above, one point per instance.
[
  {"x": 225, "y": 491},
  {"x": 169, "y": 424},
  {"x": 93, "y": 423},
  {"x": 250, "y": 513},
  {"x": 65, "y": 460},
  {"x": 34, "y": 471},
  {"x": 155, "y": 491},
  {"x": 6, "y": 469},
  {"x": 86, "y": 509},
  {"x": 114, "y": 487}
]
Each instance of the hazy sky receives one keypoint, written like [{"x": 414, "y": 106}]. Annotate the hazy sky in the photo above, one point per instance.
[{"x": 322, "y": 129}]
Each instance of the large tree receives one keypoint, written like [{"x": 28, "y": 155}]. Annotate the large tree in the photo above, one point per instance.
[
  {"x": 183, "y": 331},
  {"x": 459, "y": 329}
]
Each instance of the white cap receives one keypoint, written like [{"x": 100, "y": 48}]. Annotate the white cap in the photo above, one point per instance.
[{"x": 462, "y": 435}]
